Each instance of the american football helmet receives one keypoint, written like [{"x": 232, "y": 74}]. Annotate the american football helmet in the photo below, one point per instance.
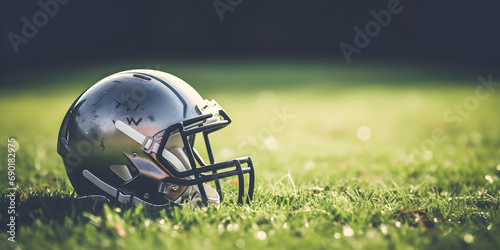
[{"x": 130, "y": 137}]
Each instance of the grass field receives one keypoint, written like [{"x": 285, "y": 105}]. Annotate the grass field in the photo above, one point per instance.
[{"x": 318, "y": 185}]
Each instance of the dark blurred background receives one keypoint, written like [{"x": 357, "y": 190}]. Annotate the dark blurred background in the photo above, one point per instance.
[{"x": 445, "y": 32}]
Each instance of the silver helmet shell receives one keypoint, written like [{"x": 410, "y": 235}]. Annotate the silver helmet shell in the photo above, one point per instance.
[{"x": 130, "y": 137}]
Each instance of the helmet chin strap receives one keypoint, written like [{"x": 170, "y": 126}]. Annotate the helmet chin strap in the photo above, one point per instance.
[{"x": 177, "y": 158}]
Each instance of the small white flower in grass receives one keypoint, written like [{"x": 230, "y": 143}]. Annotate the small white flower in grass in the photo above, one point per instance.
[
  {"x": 307, "y": 224},
  {"x": 162, "y": 221},
  {"x": 468, "y": 238},
  {"x": 337, "y": 235},
  {"x": 147, "y": 222},
  {"x": 398, "y": 224},
  {"x": 118, "y": 210},
  {"x": 177, "y": 227},
  {"x": 428, "y": 155},
  {"x": 488, "y": 227},
  {"x": 383, "y": 228},
  {"x": 364, "y": 133},
  {"x": 348, "y": 232},
  {"x": 489, "y": 179},
  {"x": 285, "y": 225},
  {"x": 498, "y": 167},
  {"x": 239, "y": 243},
  {"x": 261, "y": 235},
  {"x": 270, "y": 143}
]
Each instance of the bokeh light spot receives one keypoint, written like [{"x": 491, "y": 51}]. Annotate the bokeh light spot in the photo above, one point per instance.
[
  {"x": 271, "y": 143},
  {"x": 239, "y": 243},
  {"x": 489, "y": 179},
  {"x": 309, "y": 165},
  {"x": 267, "y": 97},
  {"x": 428, "y": 155},
  {"x": 468, "y": 238},
  {"x": 364, "y": 133},
  {"x": 383, "y": 228},
  {"x": 433, "y": 167},
  {"x": 348, "y": 232},
  {"x": 261, "y": 235}
]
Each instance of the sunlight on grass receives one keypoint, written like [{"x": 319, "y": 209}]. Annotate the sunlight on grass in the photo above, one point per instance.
[{"x": 361, "y": 173}]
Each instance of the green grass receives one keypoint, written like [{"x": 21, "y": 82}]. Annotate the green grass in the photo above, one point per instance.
[{"x": 318, "y": 185}]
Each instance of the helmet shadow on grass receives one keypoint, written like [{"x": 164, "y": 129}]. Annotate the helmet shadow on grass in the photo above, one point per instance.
[{"x": 56, "y": 207}]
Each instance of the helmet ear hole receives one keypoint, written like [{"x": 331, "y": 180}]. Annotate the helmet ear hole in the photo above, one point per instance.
[{"x": 121, "y": 171}]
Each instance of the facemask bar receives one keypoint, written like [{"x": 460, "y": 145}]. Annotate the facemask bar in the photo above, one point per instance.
[
  {"x": 191, "y": 127},
  {"x": 202, "y": 163}
]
